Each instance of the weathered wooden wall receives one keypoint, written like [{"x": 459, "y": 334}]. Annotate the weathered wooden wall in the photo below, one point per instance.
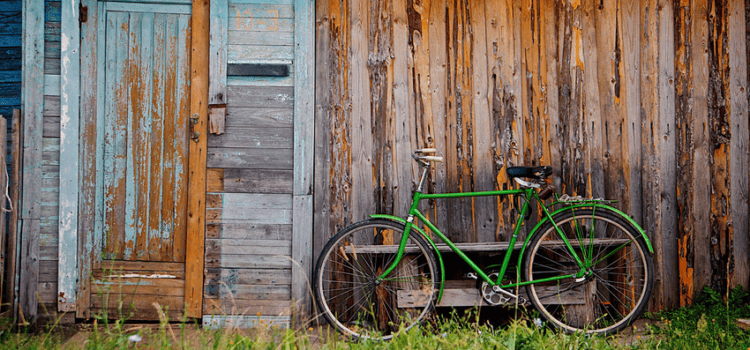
[
  {"x": 644, "y": 102},
  {"x": 249, "y": 205}
]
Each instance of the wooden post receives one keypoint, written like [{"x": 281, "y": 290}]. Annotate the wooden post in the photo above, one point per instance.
[
  {"x": 3, "y": 206},
  {"x": 15, "y": 174},
  {"x": 90, "y": 152},
  {"x": 67, "y": 275},
  {"x": 196, "y": 228},
  {"x": 304, "y": 134},
  {"x": 33, "y": 106}
]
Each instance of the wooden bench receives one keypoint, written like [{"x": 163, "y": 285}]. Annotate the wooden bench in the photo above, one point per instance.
[{"x": 464, "y": 293}]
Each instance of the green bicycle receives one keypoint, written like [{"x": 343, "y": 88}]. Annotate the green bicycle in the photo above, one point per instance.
[{"x": 586, "y": 266}]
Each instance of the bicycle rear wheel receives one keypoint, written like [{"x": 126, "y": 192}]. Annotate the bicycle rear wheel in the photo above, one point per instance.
[
  {"x": 346, "y": 282},
  {"x": 615, "y": 289}
]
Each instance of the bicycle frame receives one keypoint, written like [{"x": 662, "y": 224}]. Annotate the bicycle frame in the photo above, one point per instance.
[{"x": 530, "y": 196}]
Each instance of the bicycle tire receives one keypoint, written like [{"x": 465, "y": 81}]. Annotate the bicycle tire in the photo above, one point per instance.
[
  {"x": 346, "y": 287},
  {"x": 616, "y": 290}
]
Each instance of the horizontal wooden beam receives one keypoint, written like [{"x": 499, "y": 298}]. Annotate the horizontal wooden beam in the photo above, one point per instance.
[{"x": 474, "y": 247}]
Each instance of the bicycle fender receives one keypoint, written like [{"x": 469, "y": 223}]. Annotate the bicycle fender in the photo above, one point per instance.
[
  {"x": 584, "y": 205},
  {"x": 424, "y": 234}
]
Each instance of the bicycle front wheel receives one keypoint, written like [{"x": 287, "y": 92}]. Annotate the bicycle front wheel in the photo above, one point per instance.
[
  {"x": 351, "y": 295},
  {"x": 616, "y": 284}
]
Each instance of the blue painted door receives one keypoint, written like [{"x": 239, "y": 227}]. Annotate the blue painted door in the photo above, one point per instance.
[{"x": 145, "y": 82}]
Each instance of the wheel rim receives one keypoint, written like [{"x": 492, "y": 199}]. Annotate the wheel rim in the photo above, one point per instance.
[
  {"x": 613, "y": 288},
  {"x": 355, "y": 301}
]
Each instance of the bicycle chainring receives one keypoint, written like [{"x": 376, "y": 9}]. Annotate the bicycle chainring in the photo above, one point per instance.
[{"x": 490, "y": 296}]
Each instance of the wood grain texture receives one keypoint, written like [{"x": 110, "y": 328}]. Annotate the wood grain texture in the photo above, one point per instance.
[
  {"x": 69, "y": 153},
  {"x": 16, "y": 156},
  {"x": 219, "y": 13},
  {"x": 626, "y": 100},
  {"x": 32, "y": 106},
  {"x": 89, "y": 157},
  {"x": 738, "y": 110},
  {"x": 196, "y": 205},
  {"x": 304, "y": 143}
]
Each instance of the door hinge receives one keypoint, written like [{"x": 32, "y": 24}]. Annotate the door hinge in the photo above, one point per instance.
[{"x": 83, "y": 14}]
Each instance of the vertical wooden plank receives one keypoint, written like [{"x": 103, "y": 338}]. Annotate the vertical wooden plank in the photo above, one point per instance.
[
  {"x": 157, "y": 244},
  {"x": 594, "y": 125},
  {"x": 4, "y": 206},
  {"x": 402, "y": 121},
  {"x": 630, "y": 11},
  {"x": 609, "y": 65},
  {"x": 483, "y": 175},
  {"x": 133, "y": 144},
  {"x": 362, "y": 198},
  {"x": 720, "y": 121},
  {"x": 217, "y": 70},
  {"x": 738, "y": 106},
  {"x": 89, "y": 157},
  {"x": 304, "y": 132},
  {"x": 172, "y": 107},
  {"x": 667, "y": 170},
  {"x": 552, "y": 97},
  {"x": 69, "y": 130},
  {"x": 323, "y": 118},
  {"x": 144, "y": 134},
  {"x": 16, "y": 155},
  {"x": 701, "y": 180},
  {"x": 684, "y": 150},
  {"x": 182, "y": 166},
  {"x": 196, "y": 218},
  {"x": 437, "y": 90},
  {"x": 651, "y": 137},
  {"x": 501, "y": 39},
  {"x": 32, "y": 106},
  {"x": 380, "y": 69}
]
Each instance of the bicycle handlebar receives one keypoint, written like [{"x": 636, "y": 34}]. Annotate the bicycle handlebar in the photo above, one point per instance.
[{"x": 421, "y": 158}]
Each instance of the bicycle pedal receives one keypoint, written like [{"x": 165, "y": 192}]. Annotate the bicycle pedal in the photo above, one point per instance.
[{"x": 471, "y": 276}]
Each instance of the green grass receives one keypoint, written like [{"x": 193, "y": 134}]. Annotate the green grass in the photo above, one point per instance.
[{"x": 708, "y": 324}]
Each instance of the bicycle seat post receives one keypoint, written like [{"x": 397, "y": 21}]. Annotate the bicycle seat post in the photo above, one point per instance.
[{"x": 424, "y": 176}]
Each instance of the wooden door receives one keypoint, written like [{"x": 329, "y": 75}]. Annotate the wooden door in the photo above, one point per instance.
[{"x": 145, "y": 87}]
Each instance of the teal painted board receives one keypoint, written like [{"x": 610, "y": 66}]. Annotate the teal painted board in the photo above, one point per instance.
[
  {"x": 8, "y": 40},
  {"x": 243, "y": 37},
  {"x": 33, "y": 124},
  {"x": 10, "y": 6},
  {"x": 7, "y": 101},
  {"x": 217, "y": 89},
  {"x": 279, "y": 2},
  {"x": 156, "y": 220},
  {"x": 134, "y": 8},
  {"x": 52, "y": 11},
  {"x": 10, "y": 64},
  {"x": 67, "y": 275},
  {"x": 261, "y": 11},
  {"x": 133, "y": 107},
  {"x": 251, "y": 53},
  {"x": 304, "y": 134},
  {"x": 116, "y": 121},
  {"x": 262, "y": 25},
  {"x": 10, "y": 28},
  {"x": 10, "y": 77}
]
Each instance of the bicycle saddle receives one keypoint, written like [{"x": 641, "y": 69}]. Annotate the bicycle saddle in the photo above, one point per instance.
[{"x": 537, "y": 172}]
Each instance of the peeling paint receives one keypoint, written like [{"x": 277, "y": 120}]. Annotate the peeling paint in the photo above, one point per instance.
[{"x": 135, "y": 275}]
